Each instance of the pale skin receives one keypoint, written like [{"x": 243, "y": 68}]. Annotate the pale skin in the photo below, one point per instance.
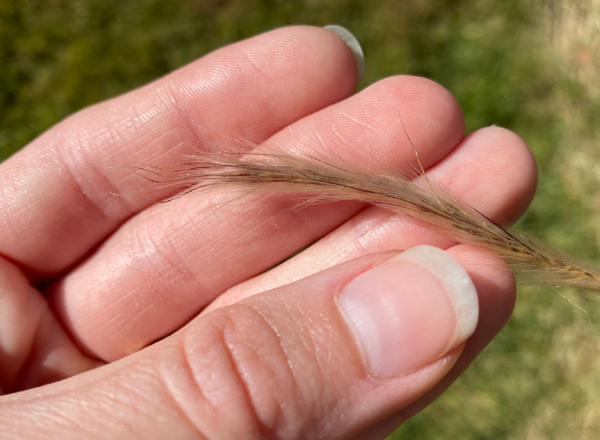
[{"x": 88, "y": 279}]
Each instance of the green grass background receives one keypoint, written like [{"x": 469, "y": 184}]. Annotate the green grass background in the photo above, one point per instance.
[{"x": 528, "y": 66}]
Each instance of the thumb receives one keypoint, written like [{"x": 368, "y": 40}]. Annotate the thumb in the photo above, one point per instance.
[{"x": 325, "y": 357}]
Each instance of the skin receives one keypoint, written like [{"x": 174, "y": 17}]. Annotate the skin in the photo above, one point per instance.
[{"x": 89, "y": 281}]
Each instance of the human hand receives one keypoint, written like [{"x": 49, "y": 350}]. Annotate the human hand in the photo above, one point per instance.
[{"x": 341, "y": 338}]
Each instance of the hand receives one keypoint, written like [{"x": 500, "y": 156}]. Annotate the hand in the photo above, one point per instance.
[{"x": 351, "y": 334}]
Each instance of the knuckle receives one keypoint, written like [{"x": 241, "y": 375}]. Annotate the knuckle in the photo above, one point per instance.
[{"x": 246, "y": 378}]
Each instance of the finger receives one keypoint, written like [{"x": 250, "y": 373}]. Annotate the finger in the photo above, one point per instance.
[
  {"x": 166, "y": 264},
  {"x": 34, "y": 349},
  {"x": 492, "y": 170},
  {"x": 322, "y": 358},
  {"x": 496, "y": 302},
  {"x": 56, "y": 195}
]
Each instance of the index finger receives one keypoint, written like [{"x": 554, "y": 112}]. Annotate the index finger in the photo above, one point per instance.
[{"x": 56, "y": 201}]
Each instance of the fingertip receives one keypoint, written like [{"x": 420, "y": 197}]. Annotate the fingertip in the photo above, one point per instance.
[
  {"x": 523, "y": 169},
  {"x": 352, "y": 42},
  {"x": 410, "y": 310},
  {"x": 432, "y": 116},
  {"x": 509, "y": 165},
  {"x": 496, "y": 290},
  {"x": 430, "y": 99},
  {"x": 323, "y": 55},
  {"x": 495, "y": 284},
  {"x": 375, "y": 128},
  {"x": 494, "y": 171}
]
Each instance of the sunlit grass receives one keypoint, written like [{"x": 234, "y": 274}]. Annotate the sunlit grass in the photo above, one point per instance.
[{"x": 528, "y": 66}]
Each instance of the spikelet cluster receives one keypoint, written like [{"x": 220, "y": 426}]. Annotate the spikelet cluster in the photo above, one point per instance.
[{"x": 320, "y": 181}]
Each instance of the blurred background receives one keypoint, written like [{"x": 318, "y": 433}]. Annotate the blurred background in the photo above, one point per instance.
[{"x": 532, "y": 67}]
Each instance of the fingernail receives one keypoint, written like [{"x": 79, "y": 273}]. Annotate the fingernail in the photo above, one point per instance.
[
  {"x": 353, "y": 44},
  {"x": 410, "y": 310}
]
